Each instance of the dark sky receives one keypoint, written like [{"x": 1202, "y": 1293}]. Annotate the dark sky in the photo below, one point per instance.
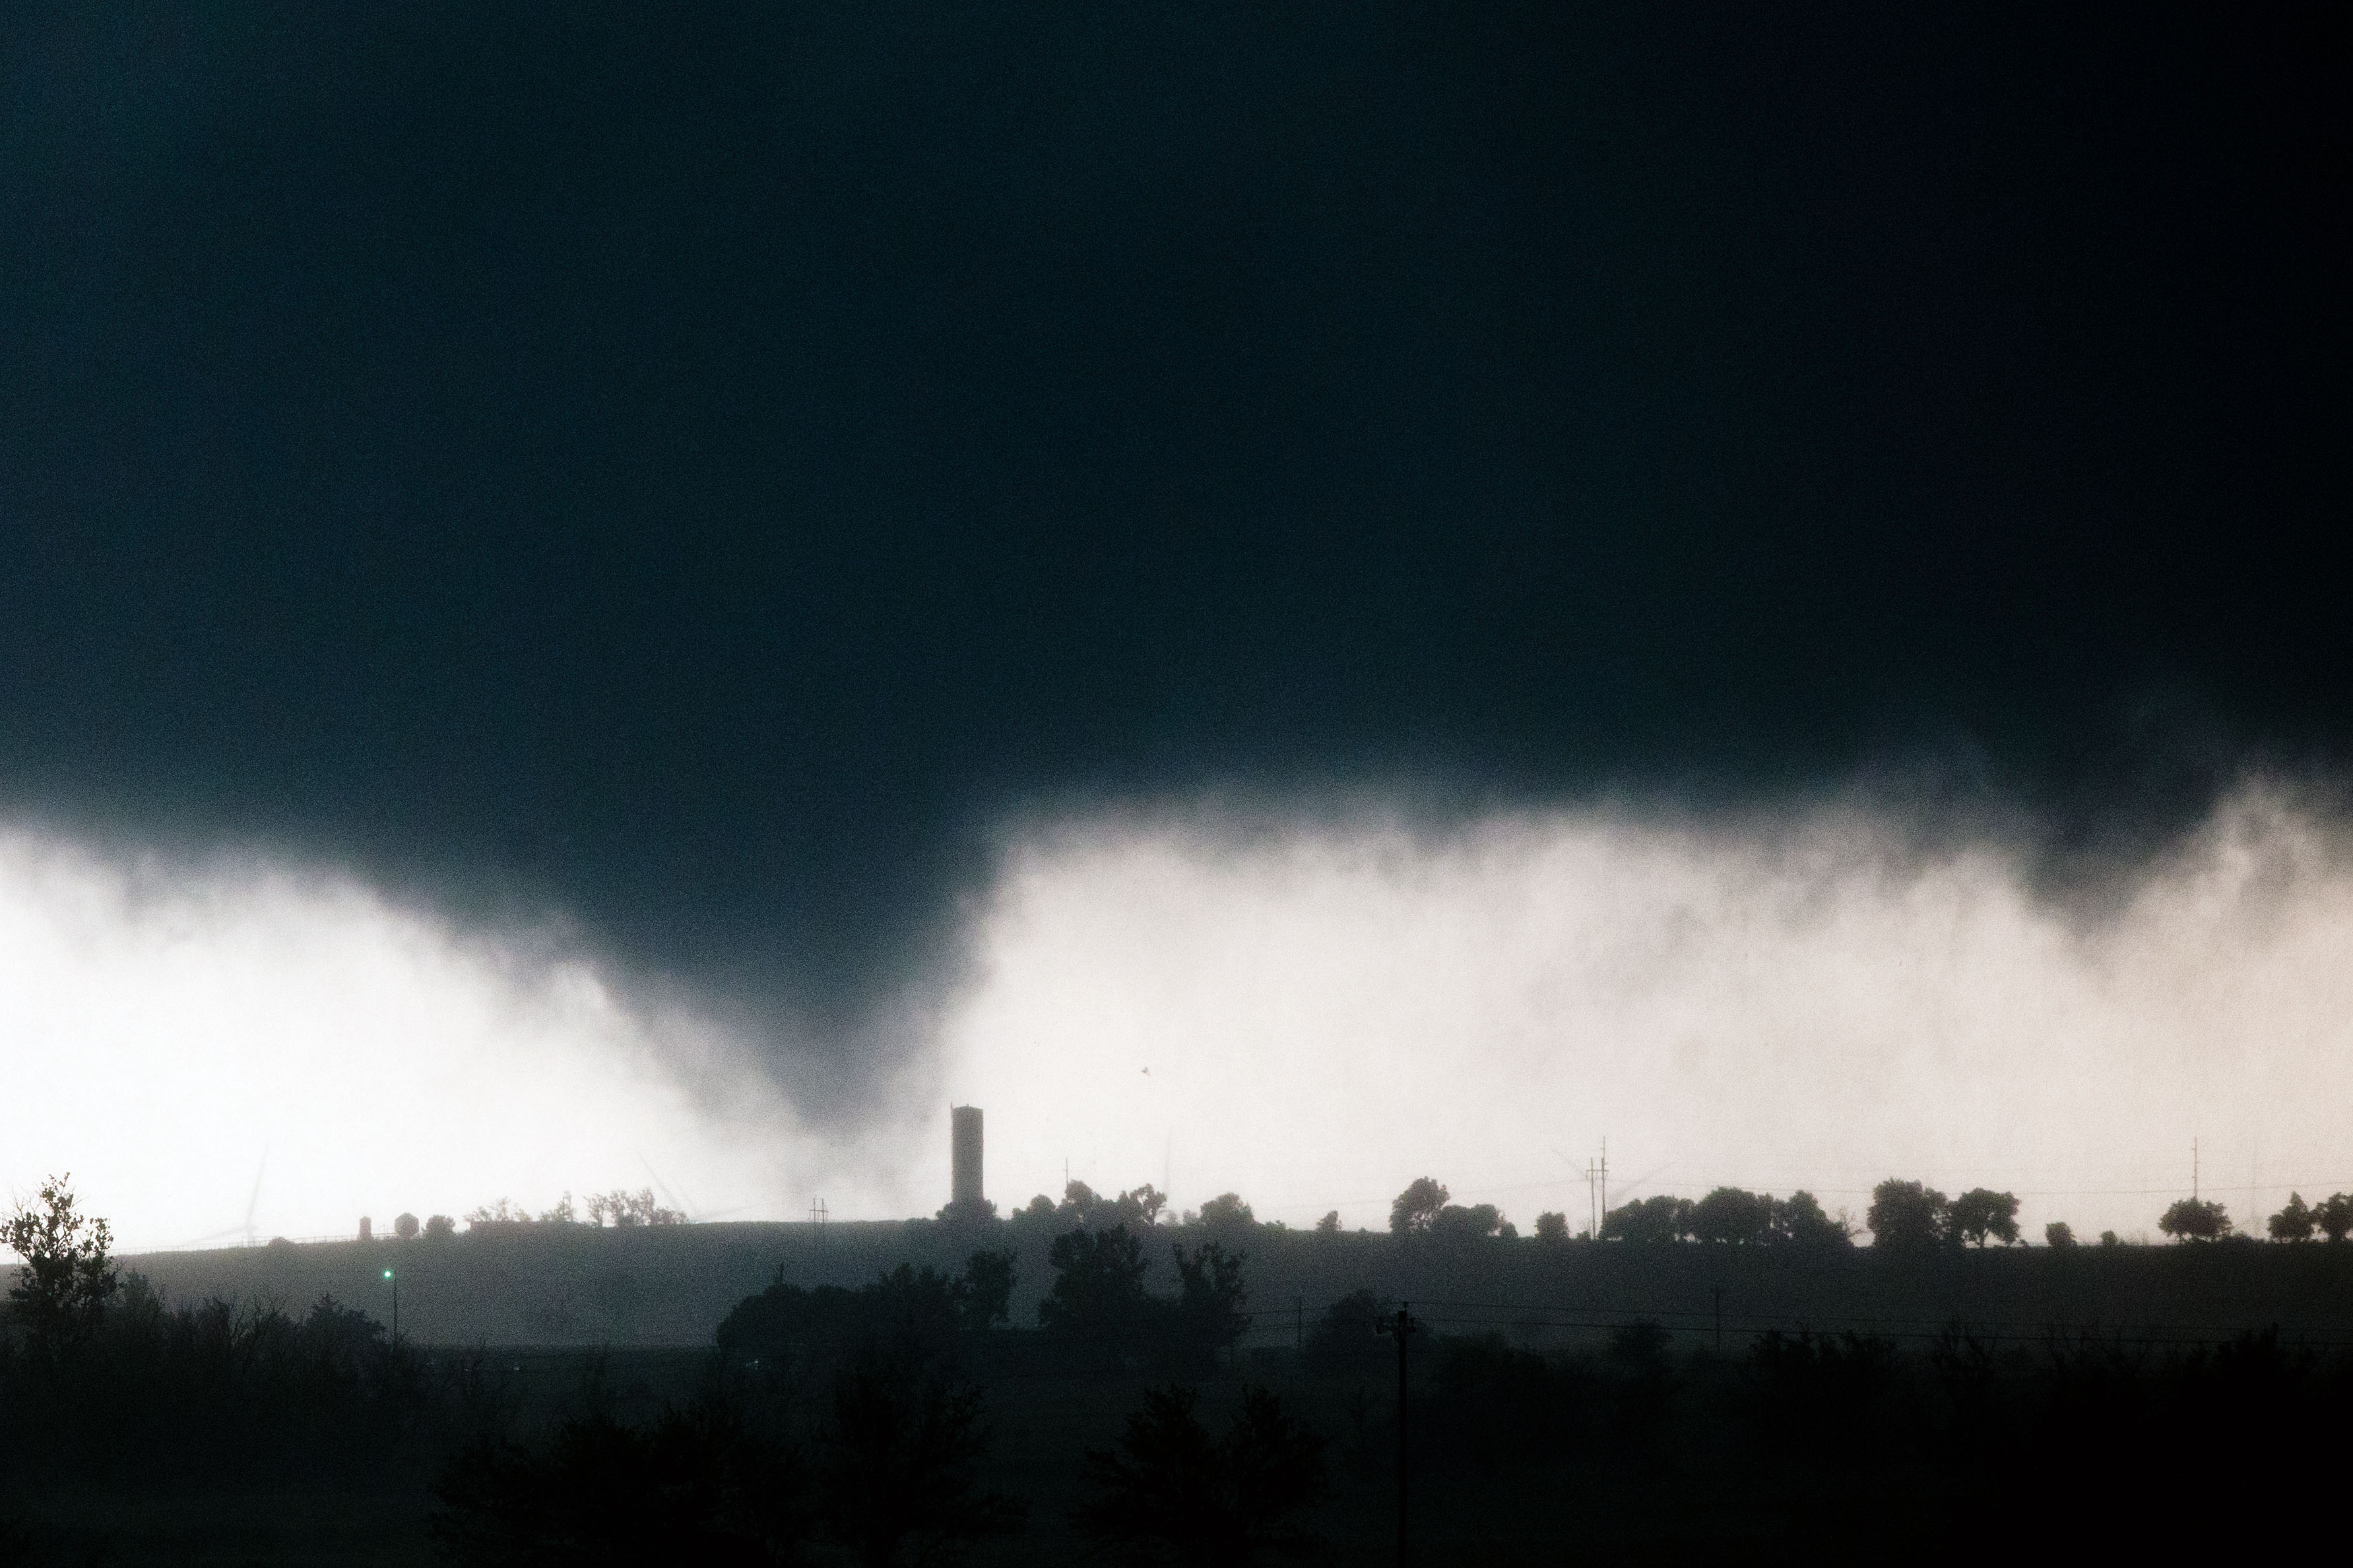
[{"x": 701, "y": 471}]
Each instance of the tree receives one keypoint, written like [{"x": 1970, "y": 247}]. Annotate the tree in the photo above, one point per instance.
[
  {"x": 2109, "y": 1238},
  {"x": 1732, "y": 1217},
  {"x": 503, "y": 1213},
  {"x": 1905, "y": 1216},
  {"x": 1552, "y": 1227},
  {"x": 786, "y": 1327},
  {"x": 1416, "y": 1208},
  {"x": 623, "y": 1209},
  {"x": 919, "y": 1310},
  {"x": 438, "y": 1227},
  {"x": 984, "y": 1296},
  {"x": 1982, "y": 1215},
  {"x": 1098, "y": 1290},
  {"x": 506, "y": 1212},
  {"x": 1347, "y": 1338},
  {"x": 1329, "y": 1225},
  {"x": 1649, "y": 1220},
  {"x": 1083, "y": 1206},
  {"x": 697, "y": 1486},
  {"x": 2294, "y": 1223},
  {"x": 2195, "y": 1219},
  {"x": 2334, "y": 1216},
  {"x": 1209, "y": 1299},
  {"x": 1798, "y": 1221},
  {"x": 1208, "y": 1502},
  {"x": 900, "y": 1460},
  {"x": 68, "y": 1275},
  {"x": 1456, "y": 1222},
  {"x": 1226, "y": 1212},
  {"x": 2059, "y": 1234},
  {"x": 1143, "y": 1204}
]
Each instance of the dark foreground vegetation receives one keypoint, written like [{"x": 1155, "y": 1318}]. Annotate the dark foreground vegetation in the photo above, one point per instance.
[{"x": 1157, "y": 1411}]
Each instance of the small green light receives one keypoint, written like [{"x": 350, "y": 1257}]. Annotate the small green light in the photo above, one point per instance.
[{"x": 387, "y": 1273}]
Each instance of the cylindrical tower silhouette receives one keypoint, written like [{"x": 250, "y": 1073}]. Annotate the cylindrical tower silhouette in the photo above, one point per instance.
[{"x": 966, "y": 1153}]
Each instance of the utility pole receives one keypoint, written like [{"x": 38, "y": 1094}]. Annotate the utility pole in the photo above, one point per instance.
[
  {"x": 1596, "y": 1188},
  {"x": 1404, "y": 1327},
  {"x": 2193, "y": 1170},
  {"x": 816, "y": 1213},
  {"x": 395, "y": 1307}
]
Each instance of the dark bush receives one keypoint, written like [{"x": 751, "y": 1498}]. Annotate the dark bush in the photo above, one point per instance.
[
  {"x": 274, "y": 1397},
  {"x": 789, "y": 1332},
  {"x": 1487, "y": 1402},
  {"x": 899, "y": 1458},
  {"x": 1639, "y": 1347},
  {"x": 1347, "y": 1338},
  {"x": 1825, "y": 1396},
  {"x": 697, "y": 1484},
  {"x": 1205, "y": 1501}
]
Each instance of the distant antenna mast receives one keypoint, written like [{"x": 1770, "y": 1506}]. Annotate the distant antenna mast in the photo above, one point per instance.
[
  {"x": 255, "y": 1198},
  {"x": 817, "y": 1213},
  {"x": 2193, "y": 1170}
]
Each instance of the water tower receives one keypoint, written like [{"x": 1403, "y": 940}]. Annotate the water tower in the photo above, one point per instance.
[{"x": 964, "y": 1155}]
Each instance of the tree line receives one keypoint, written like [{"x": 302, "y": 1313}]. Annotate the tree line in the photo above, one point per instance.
[
  {"x": 621, "y": 1209},
  {"x": 2203, "y": 1219},
  {"x": 1904, "y": 1216}
]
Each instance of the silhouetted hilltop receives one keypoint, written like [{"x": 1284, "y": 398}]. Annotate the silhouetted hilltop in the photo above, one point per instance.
[{"x": 671, "y": 1285}]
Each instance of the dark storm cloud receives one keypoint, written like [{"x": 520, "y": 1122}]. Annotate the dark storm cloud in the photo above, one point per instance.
[{"x": 699, "y": 469}]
